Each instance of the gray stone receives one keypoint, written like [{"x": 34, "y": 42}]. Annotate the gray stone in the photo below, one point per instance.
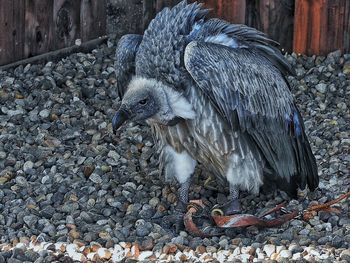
[
  {"x": 30, "y": 220},
  {"x": 45, "y": 113},
  {"x": 321, "y": 87},
  {"x": 94, "y": 177},
  {"x": 2, "y": 155},
  {"x": 28, "y": 165}
]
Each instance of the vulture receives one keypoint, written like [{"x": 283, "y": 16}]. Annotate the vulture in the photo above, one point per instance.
[{"x": 214, "y": 93}]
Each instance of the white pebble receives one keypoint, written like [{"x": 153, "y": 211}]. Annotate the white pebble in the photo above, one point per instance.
[
  {"x": 236, "y": 252},
  {"x": 245, "y": 257},
  {"x": 269, "y": 249},
  {"x": 280, "y": 248},
  {"x": 296, "y": 256},
  {"x": 145, "y": 254},
  {"x": 78, "y": 256},
  {"x": 285, "y": 253},
  {"x": 71, "y": 249}
]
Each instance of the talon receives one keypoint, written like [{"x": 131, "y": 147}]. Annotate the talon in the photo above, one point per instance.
[
  {"x": 171, "y": 221},
  {"x": 207, "y": 181},
  {"x": 207, "y": 184}
]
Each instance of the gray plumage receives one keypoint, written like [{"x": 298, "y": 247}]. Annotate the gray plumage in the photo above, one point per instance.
[
  {"x": 219, "y": 97},
  {"x": 125, "y": 61}
]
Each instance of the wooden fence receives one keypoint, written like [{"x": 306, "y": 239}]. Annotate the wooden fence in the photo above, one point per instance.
[
  {"x": 304, "y": 26},
  {"x": 32, "y": 27}
]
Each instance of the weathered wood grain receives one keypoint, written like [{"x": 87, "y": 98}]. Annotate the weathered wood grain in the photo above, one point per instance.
[
  {"x": 66, "y": 19},
  {"x": 39, "y": 27},
  {"x": 12, "y": 30},
  {"x": 160, "y": 4},
  {"x": 273, "y": 17},
  {"x": 148, "y": 12},
  {"x": 92, "y": 18},
  {"x": 233, "y": 11},
  {"x": 321, "y": 26}
]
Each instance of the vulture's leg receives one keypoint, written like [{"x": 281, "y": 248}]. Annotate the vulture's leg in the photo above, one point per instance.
[
  {"x": 181, "y": 166},
  {"x": 233, "y": 206},
  {"x": 183, "y": 196},
  {"x": 177, "y": 218}
]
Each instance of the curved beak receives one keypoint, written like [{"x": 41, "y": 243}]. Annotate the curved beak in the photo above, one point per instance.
[{"x": 119, "y": 118}]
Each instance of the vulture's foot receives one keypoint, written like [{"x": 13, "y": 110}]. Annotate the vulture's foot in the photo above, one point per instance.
[
  {"x": 231, "y": 207},
  {"x": 175, "y": 221},
  {"x": 207, "y": 184}
]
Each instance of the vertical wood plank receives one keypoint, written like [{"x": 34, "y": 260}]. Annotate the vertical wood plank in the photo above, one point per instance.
[
  {"x": 125, "y": 17},
  {"x": 66, "y": 23},
  {"x": 316, "y": 27},
  {"x": 346, "y": 42},
  {"x": 38, "y": 31},
  {"x": 300, "y": 40},
  {"x": 149, "y": 12},
  {"x": 233, "y": 11},
  {"x": 160, "y": 4},
  {"x": 273, "y": 17},
  {"x": 92, "y": 19},
  {"x": 321, "y": 26},
  {"x": 12, "y": 30},
  {"x": 336, "y": 26}
]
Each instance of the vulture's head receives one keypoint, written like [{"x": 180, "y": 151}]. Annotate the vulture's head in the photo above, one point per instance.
[{"x": 148, "y": 99}]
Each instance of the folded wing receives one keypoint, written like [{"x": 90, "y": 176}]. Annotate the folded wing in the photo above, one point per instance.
[{"x": 252, "y": 95}]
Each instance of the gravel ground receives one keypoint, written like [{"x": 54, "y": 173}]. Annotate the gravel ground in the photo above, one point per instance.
[{"x": 71, "y": 190}]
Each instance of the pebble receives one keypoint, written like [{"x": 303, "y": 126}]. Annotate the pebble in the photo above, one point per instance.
[
  {"x": 44, "y": 113},
  {"x": 269, "y": 249},
  {"x": 27, "y": 166},
  {"x": 285, "y": 254},
  {"x": 94, "y": 177},
  {"x": 322, "y": 87}
]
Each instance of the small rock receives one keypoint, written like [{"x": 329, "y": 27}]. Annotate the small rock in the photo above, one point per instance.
[
  {"x": 345, "y": 255},
  {"x": 269, "y": 249},
  {"x": 304, "y": 232},
  {"x": 114, "y": 155},
  {"x": 44, "y": 113},
  {"x": 94, "y": 177},
  {"x": 21, "y": 181},
  {"x": 88, "y": 170},
  {"x": 346, "y": 67},
  {"x": 223, "y": 243},
  {"x": 321, "y": 87},
  {"x": 2, "y": 155},
  {"x": 30, "y": 220},
  {"x": 285, "y": 253},
  {"x": 27, "y": 166},
  {"x": 145, "y": 254},
  {"x": 154, "y": 201}
]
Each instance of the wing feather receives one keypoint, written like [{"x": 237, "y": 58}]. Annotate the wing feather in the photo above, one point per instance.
[
  {"x": 125, "y": 61},
  {"x": 246, "y": 87}
]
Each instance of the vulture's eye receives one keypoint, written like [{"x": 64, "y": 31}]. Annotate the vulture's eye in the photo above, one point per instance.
[{"x": 143, "y": 102}]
